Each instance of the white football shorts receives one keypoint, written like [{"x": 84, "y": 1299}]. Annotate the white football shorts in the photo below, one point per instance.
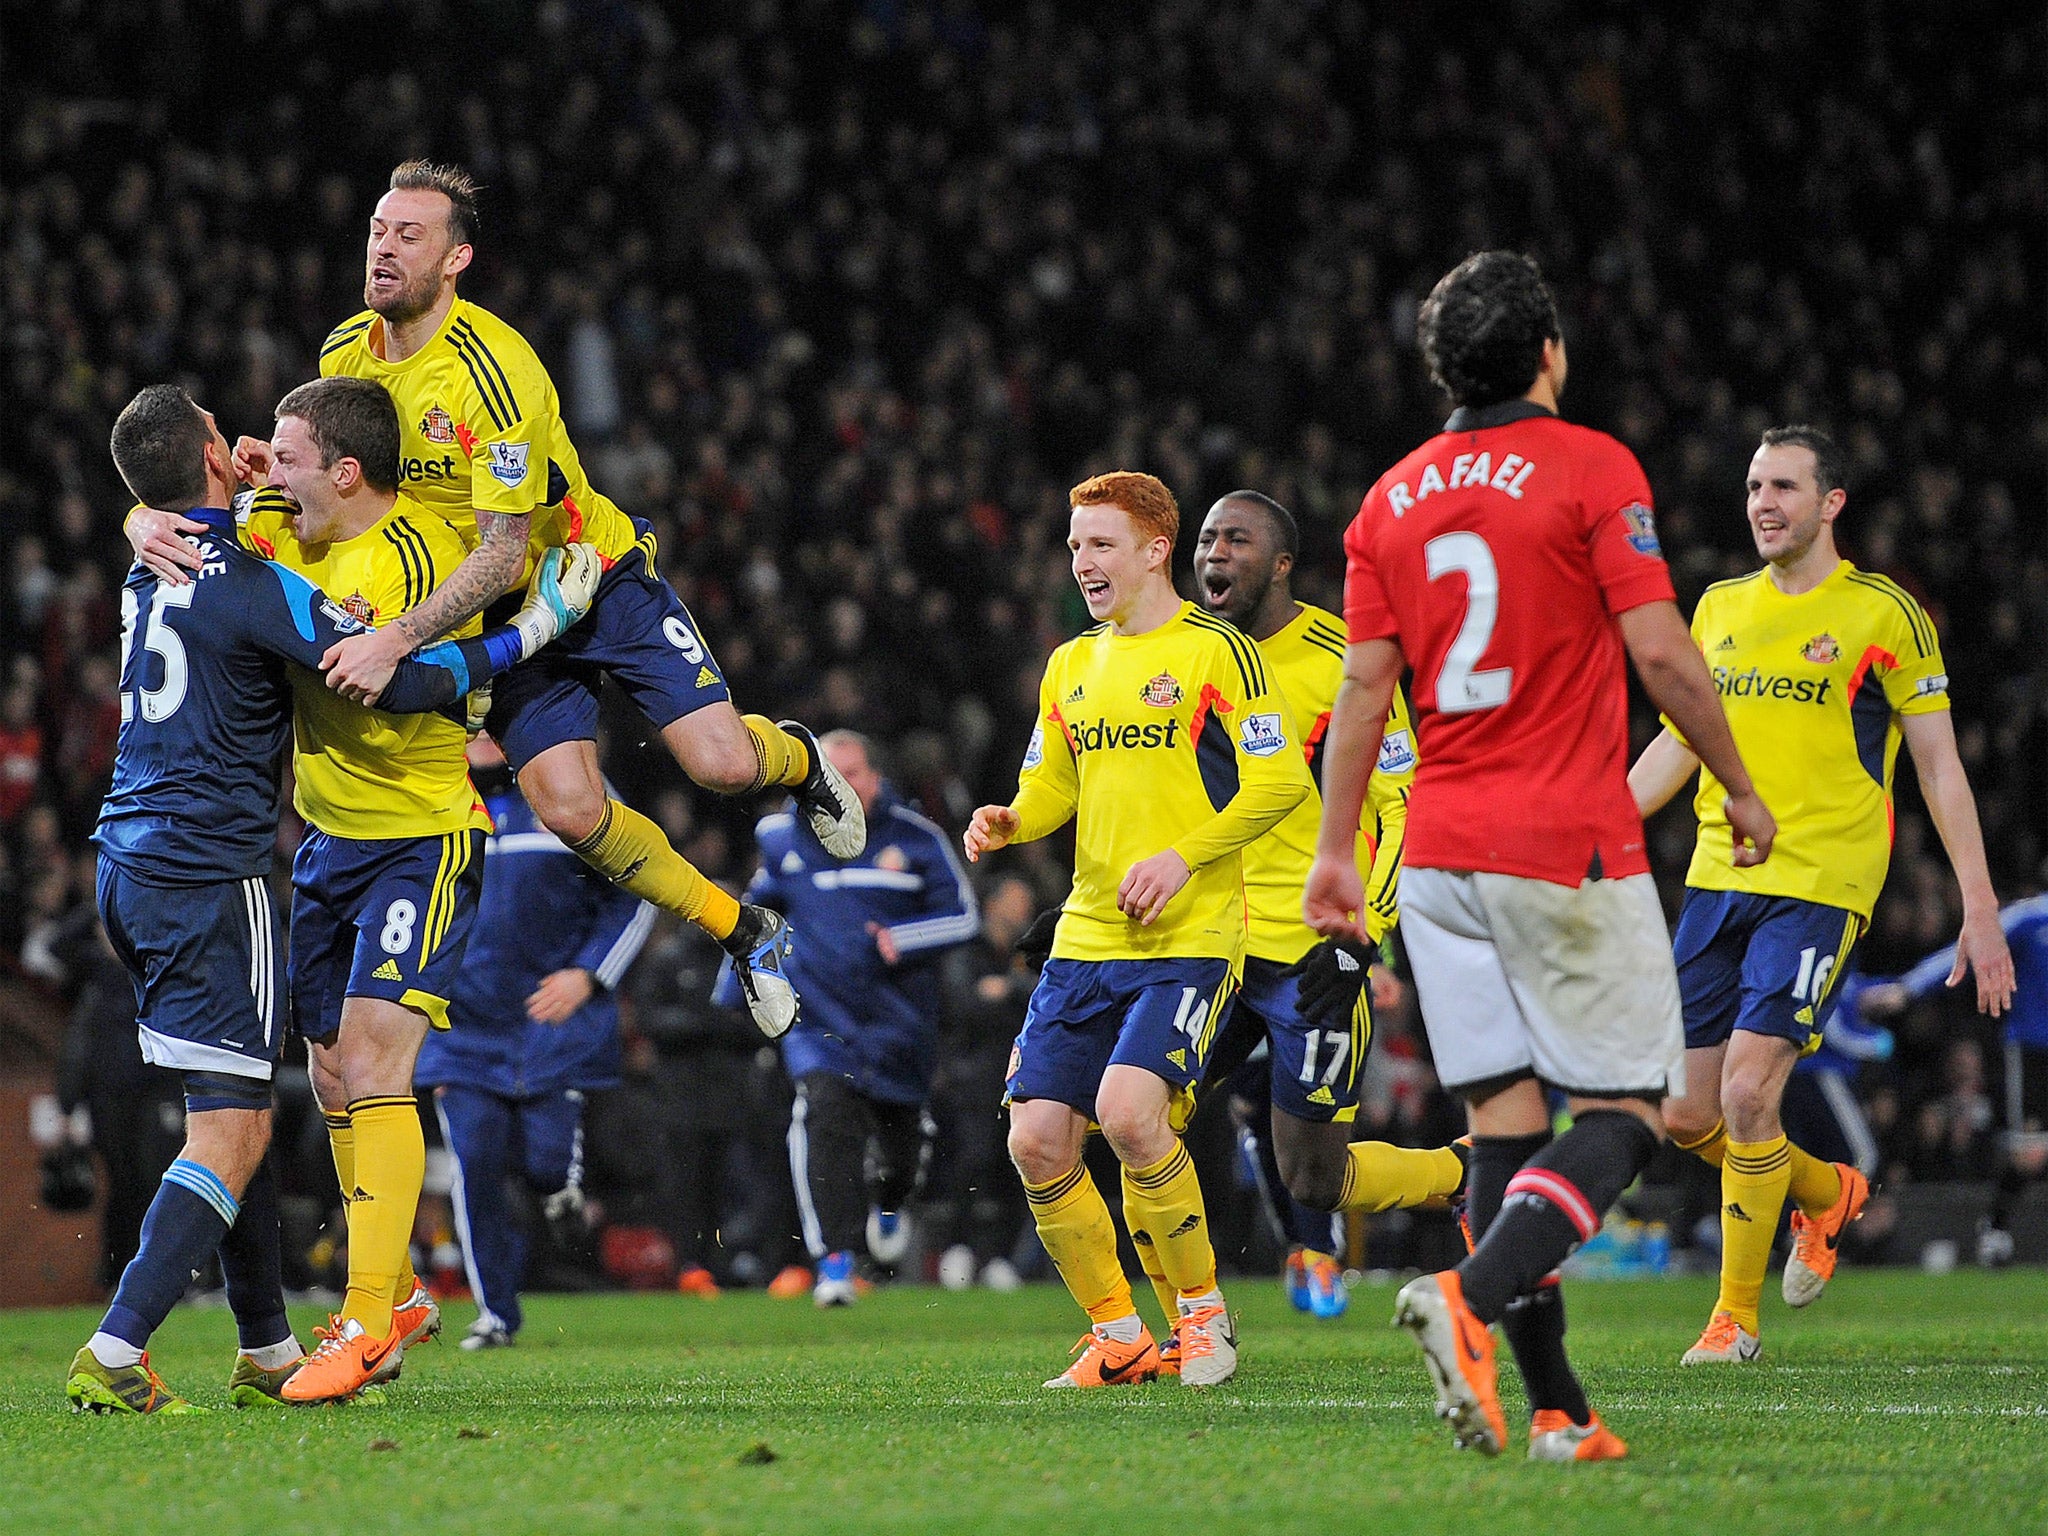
[{"x": 1572, "y": 983}]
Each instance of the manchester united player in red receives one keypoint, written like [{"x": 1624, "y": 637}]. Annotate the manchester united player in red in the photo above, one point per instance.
[{"x": 1512, "y": 559}]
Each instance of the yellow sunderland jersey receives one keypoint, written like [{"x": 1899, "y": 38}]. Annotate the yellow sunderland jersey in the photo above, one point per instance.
[
  {"x": 1306, "y": 661},
  {"x": 359, "y": 772},
  {"x": 1175, "y": 738},
  {"x": 1814, "y": 686},
  {"x": 481, "y": 431}
]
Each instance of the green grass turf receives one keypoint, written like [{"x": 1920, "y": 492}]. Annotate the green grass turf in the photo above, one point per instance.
[{"x": 1901, "y": 1402}]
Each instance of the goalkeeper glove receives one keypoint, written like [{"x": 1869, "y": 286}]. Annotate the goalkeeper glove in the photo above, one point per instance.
[
  {"x": 1035, "y": 942},
  {"x": 564, "y": 586},
  {"x": 1332, "y": 976}
]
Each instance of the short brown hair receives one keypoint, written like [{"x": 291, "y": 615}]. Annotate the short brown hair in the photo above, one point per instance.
[
  {"x": 350, "y": 419},
  {"x": 1145, "y": 497},
  {"x": 1827, "y": 458},
  {"x": 453, "y": 183}
]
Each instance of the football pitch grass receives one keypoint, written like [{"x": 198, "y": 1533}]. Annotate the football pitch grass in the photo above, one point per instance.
[{"x": 1901, "y": 1402}]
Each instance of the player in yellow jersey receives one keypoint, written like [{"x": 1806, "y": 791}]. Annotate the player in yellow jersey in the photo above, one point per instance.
[
  {"x": 1822, "y": 670},
  {"x": 1161, "y": 736},
  {"x": 1244, "y": 558},
  {"x": 385, "y": 883},
  {"x": 484, "y": 446}
]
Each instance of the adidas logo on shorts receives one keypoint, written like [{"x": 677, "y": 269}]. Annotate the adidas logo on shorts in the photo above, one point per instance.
[{"x": 388, "y": 971}]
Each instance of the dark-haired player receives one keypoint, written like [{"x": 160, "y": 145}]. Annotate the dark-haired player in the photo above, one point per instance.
[
  {"x": 184, "y": 841},
  {"x": 485, "y": 447},
  {"x": 1512, "y": 559},
  {"x": 1244, "y": 560},
  {"x": 1823, "y": 669}
]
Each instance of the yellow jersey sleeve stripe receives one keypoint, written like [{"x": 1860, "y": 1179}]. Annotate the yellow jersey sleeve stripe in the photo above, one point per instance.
[
  {"x": 408, "y": 560},
  {"x": 342, "y": 335},
  {"x": 1331, "y": 647},
  {"x": 410, "y": 535},
  {"x": 467, "y": 340},
  {"x": 1248, "y": 663},
  {"x": 1732, "y": 581},
  {"x": 486, "y": 388},
  {"x": 1916, "y": 616}
]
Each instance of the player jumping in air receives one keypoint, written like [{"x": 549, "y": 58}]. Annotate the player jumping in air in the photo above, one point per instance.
[
  {"x": 486, "y": 449},
  {"x": 1822, "y": 669},
  {"x": 1512, "y": 559},
  {"x": 1163, "y": 737},
  {"x": 1310, "y": 1002},
  {"x": 184, "y": 844}
]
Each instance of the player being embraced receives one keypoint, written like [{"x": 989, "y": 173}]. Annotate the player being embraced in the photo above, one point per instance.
[
  {"x": 1513, "y": 559},
  {"x": 1162, "y": 737},
  {"x": 1822, "y": 670},
  {"x": 185, "y": 841},
  {"x": 385, "y": 883},
  {"x": 1310, "y": 1001},
  {"x": 485, "y": 448}
]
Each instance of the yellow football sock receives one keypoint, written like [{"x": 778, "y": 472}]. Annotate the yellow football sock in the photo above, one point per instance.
[
  {"x": 1073, "y": 1223},
  {"x": 390, "y": 1163},
  {"x": 341, "y": 1139},
  {"x": 1165, "y": 1202},
  {"x": 631, "y": 852},
  {"x": 1163, "y": 1288},
  {"x": 1710, "y": 1148},
  {"x": 1816, "y": 1185},
  {"x": 784, "y": 759},
  {"x": 1754, "y": 1179},
  {"x": 1379, "y": 1177}
]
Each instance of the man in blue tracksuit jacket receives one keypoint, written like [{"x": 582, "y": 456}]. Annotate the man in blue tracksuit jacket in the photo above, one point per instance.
[
  {"x": 534, "y": 1025},
  {"x": 869, "y": 931}
]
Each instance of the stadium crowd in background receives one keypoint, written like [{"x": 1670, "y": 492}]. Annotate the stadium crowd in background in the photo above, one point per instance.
[{"x": 843, "y": 297}]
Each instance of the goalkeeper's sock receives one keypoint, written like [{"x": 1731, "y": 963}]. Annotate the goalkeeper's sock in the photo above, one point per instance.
[
  {"x": 1379, "y": 1177},
  {"x": 781, "y": 757},
  {"x": 1073, "y": 1223},
  {"x": 631, "y": 852},
  {"x": 390, "y": 1164},
  {"x": 1164, "y": 1201}
]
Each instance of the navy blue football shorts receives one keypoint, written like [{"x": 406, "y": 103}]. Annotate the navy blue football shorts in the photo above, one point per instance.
[
  {"x": 1315, "y": 1070},
  {"x": 1759, "y": 963},
  {"x": 637, "y": 632},
  {"x": 1086, "y": 1016},
  {"x": 384, "y": 917},
  {"x": 206, "y": 961}
]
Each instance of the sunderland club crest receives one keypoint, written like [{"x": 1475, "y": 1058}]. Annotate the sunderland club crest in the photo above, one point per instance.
[
  {"x": 1822, "y": 650},
  {"x": 1163, "y": 692},
  {"x": 437, "y": 426}
]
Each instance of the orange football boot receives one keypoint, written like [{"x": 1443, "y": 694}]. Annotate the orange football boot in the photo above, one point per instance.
[
  {"x": 1106, "y": 1363},
  {"x": 1554, "y": 1437},
  {"x": 1169, "y": 1353},
  {"x": 1459, "y": 1350},
  {"x": 417, "y": 1318},
  {"x": 1814, "y": 1253},
  {"x": 791, "y": 1280},
  {"x": 696, "y": 1280},
  {"x": 346, "y": 1360}
]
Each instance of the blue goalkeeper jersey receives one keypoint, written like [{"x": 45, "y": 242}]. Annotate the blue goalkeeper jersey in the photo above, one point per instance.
[{"x": 206, "y": 708}]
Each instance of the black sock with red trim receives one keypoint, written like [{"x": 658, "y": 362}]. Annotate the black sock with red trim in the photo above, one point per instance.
[{"x": 1555, "y": 1203}]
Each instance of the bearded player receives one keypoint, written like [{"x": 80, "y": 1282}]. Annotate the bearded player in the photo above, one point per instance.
[
  {"x": 1513, "y": 559},
  {"x": 1309, "y": 1001},
  {"x": 1823, "y": 670},
  {"x": 1162, "y": 737},
  {"x": 485, "y": 447}
]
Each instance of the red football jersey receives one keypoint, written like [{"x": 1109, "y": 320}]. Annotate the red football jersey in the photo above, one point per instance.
[{"x": 1498, "y": 554}]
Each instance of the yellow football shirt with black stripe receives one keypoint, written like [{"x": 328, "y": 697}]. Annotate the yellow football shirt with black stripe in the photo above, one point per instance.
[
  {"x": 1306, "y": 661},
  {"x": 361, "y": 773},
  {"x": 481, "y": 431},
  {"x": 1814, "y": 686},
  {"x": 1175, "y": 738}
]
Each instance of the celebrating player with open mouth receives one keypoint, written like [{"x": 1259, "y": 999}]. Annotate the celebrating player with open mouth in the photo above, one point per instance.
[
  {"x": 1512, "y": 558},
  {"x": 485, "y": 447},
  {"x": 1161, "y": 736}
]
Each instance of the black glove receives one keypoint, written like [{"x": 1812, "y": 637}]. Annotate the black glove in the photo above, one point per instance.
[
  {"x": 1035, "y": 942},
  {"x": 1333, "y": 974}
]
